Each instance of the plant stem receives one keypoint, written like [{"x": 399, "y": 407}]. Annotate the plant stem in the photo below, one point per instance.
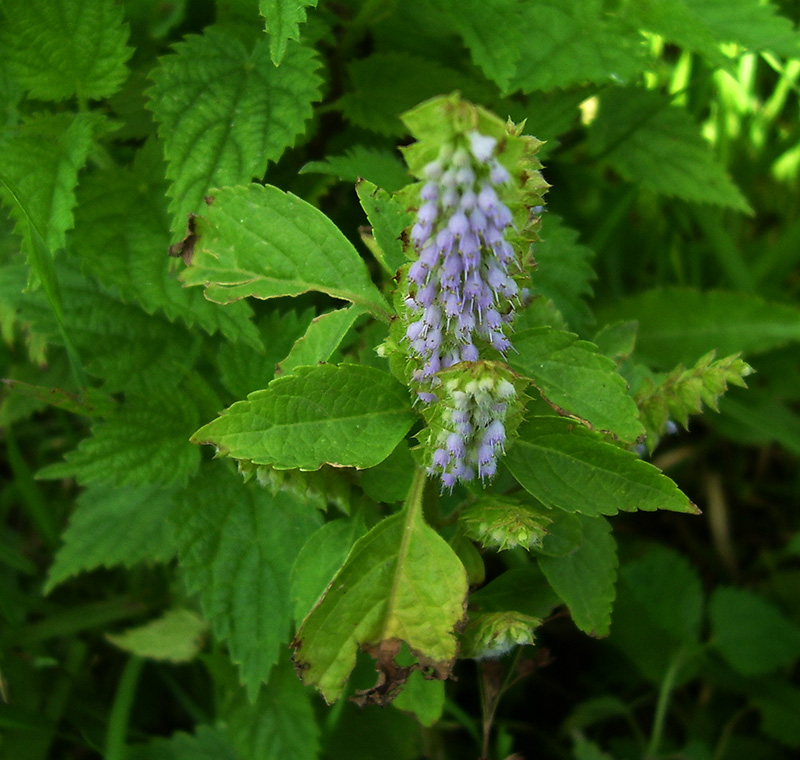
[
  {"x": 664, "y": 695},
  {"x": 116, "y": 747}
]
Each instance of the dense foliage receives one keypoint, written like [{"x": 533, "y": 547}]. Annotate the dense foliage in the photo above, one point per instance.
[{"x": 312, "y": 240}]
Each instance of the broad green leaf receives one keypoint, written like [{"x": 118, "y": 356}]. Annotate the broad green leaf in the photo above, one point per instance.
[
  {"x": 346, "y": 415},
  {"x": 61, "y": 49},
  {"x": 563, "y": 271},
  {"x": 679, "y": 325},
  {"x": 577, "y": 380},
  {"x": 423, "y": 698},
  {"x": 585, "y": 749},
  {"x": 114, "y": 526},
  {"x": 617, "y": 340},
  {"x": 206, "y": 744},
  {"x": 568, "y": 467},
  {"x": 378, "y": 165},
  {"x": 283, "y": 19},
  {"x": 585, "y": 578},
  {"x": 42, "y": 157},
  {"x": 93, "y": 403},
  {"x": 668, "y": 590},
  {"x": 751, "y": 634},
  {"x": 224, "y": 112},
  {"x": 236, "y": 545},
  {"x": 145, "y": 442},
  {"x": 390, "y": 480},
  {"x": 122, "y": 235},
  {"x": 779, "y": 704},
  {"x": 259, "y": 241},
  {"x": 388, "y": 219},
  {"x": 320, "y": 559},
  {"x": 177, "y": 636},
  {"x": 758, "y": 418},
  {"x": 400, "y": 583},
  {"x": 321, "y": 339},
  {"x": 521, "y": 589},
  {"x": 281, "y": 723},
  {"x": 659, "y": 147},
  {"x": 572, "y": 43}
]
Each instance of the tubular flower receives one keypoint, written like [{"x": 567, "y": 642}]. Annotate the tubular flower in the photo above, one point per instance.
[{"x": 460, "y": 290}]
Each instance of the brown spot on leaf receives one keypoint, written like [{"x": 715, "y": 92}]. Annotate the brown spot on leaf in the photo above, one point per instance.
[{"x": 185, "y": 248}]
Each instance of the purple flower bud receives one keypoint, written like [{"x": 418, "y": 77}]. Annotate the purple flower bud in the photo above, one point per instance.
[
  {"x": 488, "y": 470},
  {"x": 414, "y": 330},
  {"x": 458, "y": 223},
  {"x": 452, "y": 306},
  {"x": 432, "y": 317},
  {"x": 432, "y": 366},
  {"x": 427, "y": 213},
  {"x": 430, "y": 191},
  {"x": 441, "y": 458},
  {"x": 451, "y": 359},
  {"x": 445, "y": 239},
  {"x": 420, "y": 233},
  {"x": 485, "y": 453},
  {"x": 495, "y": 434},
  {"x": 448, "y": 179},
  {"x": 478, "y": 221},
  {"x": 491, "y": 319},
  {"x": 463, "y": 472},
  {"x": 426, "y": 295},
  {"x": 468, "y": 200},
  {"x": 502, "y": 216},
  {"x": 429, "y": 255},
  {"x": 448, "y": 479},
  {"x": 499, "y": 174},
  {"x": 418, "y": 272},
  {"x": 465, "y": 176},
  {"x": 433, "y": 170},
  {"x": 450, "y": 198},
  {"x": 503, "y": 251},
  {"x": 469, "y": 353},
  {"x": 459, "y": 416},
  {"x": 455, "y": 444},
  {"x": 487, "y": 199},
  {"x": 496, "y": 277},
  {"x": 482, "y": 146},
  {"x": 433, "y": 340},
  {"x": 499, "y": 342},
  {"x": 428, "y": 398}
]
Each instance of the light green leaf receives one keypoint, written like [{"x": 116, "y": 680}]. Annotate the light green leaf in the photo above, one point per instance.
[
  {"x": 347, "y": 415},
  {"x": 146, "y": 441},
  {"x": 679, "y": 325},
  {"x": 113, "y": 526},
  {"x": 177, "y": 636},
  {"x": 423, "y": 698},
  {"x": 378, "y": 165},
  {"x": 568, "y": 467},
  {"x": 659, "y": 147},
  {"x": 236, "y": 545},
  {"x": 224, "y": 112},
  {"x": 259, "y": 241},
  {"x": 60, "y": 49},
  {"x": 122, "y": 235},
  {"x": 283, "y": 19},
  {"x": 751, "y": 634},
  {"x": 577, "y": 380},
  {"x": 388, "y": 219},
  {"x": 400, "y": 583},
  {"x": 585, "y": 579},
  {"x": 321, "y": 339}
]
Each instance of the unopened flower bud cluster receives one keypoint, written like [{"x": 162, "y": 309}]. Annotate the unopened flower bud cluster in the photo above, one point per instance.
[
  {"x": 470, "y": 432},
  {"x": 461, "y": 287}
]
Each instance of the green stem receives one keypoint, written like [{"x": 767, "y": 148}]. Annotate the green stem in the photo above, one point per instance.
[
  {"x": 664, "y": 696},
  {"x": 413, "y": 502},
  {"x": 116, "y": 747}
]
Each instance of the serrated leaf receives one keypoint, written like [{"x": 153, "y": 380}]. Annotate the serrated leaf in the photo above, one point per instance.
[
  {"x": 259, "y": 241},
  {"x": 321, "y": 339},
  {"x": 206, "y": 744},
  {"x": 400, "y": 583},
  {"x": 659, "y": 147},
  {"x": 58, "y": 49},
  {"x": 563, "y": 272},
  {"x": 145, "y": 442},
  {"x": 388, "y": 219},
  {"x": 679, "y": 325},
  {"x": 177, "y": 636},
  {"x": 347, "y": 415},
  {"x": 236, "y": 545},
  {"x": 568, "y": 467},
  {"x": 751, "y": 634},
  {"x": 381, "y": 166},
  {"x": 585, "y": 578},
  {"x": 42, "y": 157},
  {"x": 522, "y": 589},
  {"x": 283, "y": 19},
  {"x": 578, "y": 381},
  {"x": 114, "y": 526},
  {"x": 423, "y": 698},
  {"x": 122, "y": 235},
  {"x": 224, "y": 112}
]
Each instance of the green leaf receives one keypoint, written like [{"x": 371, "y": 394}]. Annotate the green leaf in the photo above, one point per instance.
[
  {"x": 522, "y": 589},
  {"x": 259, "y": 241},
  {"x": 42, "y": 157},
  {"x": 751, "y": 634},
  {"x": 423, "y": 698},
  {"x": 224, "y": 112},
  {"x": 323, "y": 336},
  {"x": 280, "y": 723},
  {"x": 577, "y": 381},
  {"x": 585, "y": 579},
  {"x": 61, "y": 49},
  {"x": 146, "y": 441},
  {"x": 568, "y": 467},
  {"x": 347, "y": 415},
  {"x": 659, "y": 147},
  {"x": 572, "y": 43},
  {"x": 177, "y": 636},
  {"x": 679, "y": 325},
  {"x": 236, "y": 545},
  {"x": 122, "y": 235},
  {"x": 563, "y": 271},
  {"x": 113, "y": 526},
  {"x": 320, "y": 559},
  {"x": 389, "y": 481},
  {"x": 283, "y": 19},
  {"x": 378, "y": 165},
  {"x": 668, "y": 591},
  {"x": 206, "y": 744},
  {"x": 400, "y": 583},
  {"x": 388, "y": 219}
]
